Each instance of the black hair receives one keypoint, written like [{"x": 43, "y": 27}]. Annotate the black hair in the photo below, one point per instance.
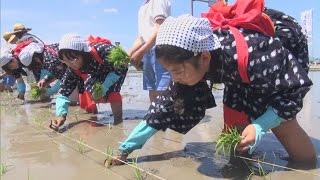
[
  {"x": 6, "y": 67},
  {"x": 72, "y": 54},
  {"x": 34, "y": 65},
  {"x": 176, "y": 55}
]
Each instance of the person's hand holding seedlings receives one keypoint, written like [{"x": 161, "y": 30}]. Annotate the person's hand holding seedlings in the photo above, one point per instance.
[{"x": 248, "y": 137}]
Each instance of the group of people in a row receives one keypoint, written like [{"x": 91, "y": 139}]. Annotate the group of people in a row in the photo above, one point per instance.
[{"x": 260, "y": 54}]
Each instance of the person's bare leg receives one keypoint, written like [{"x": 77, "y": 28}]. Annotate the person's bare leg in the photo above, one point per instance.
[
  {"x": 296, "y": 141},
  {"x": 116, "y": 108},
  {"x": 153, "y": 95}
]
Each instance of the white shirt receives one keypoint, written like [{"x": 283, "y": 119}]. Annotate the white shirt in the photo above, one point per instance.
[
  {"x": 33, "y": 38},
  {"x": 149, "y": 12}
]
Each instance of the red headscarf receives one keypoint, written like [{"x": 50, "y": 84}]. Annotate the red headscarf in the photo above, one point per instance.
[{"x": 247, "y": 14}]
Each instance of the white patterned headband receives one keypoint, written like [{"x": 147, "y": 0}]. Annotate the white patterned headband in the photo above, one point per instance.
[
  {"x": 74, "y": 42},
  {"x": 189, "y": 33}
]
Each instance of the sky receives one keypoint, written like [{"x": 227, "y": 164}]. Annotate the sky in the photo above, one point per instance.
[{"x": 116, "y": 19}]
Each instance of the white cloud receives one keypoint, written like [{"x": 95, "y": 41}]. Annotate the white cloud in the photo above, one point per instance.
[
  {"x": 110, "y": 10},
  {"x": 93, "y": 17}
]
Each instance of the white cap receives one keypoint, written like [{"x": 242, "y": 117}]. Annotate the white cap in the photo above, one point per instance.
[
  {"x": 189, "y": 33},
  {"x": 6, "y": 56},
  {"x": 74, "y": 42},
  {"x": 27, "y": 52}
]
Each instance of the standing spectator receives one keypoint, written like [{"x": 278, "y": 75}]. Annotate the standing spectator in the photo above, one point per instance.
[{"x": 151, "y": 15}]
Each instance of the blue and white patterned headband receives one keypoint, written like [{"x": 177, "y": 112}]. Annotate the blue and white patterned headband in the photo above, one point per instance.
[{"x": 188, "y": 32}]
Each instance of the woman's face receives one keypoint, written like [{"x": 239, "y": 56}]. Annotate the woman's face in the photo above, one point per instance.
[
  {"x": 75, "y": 63},
  {"x": 13, "y": 64},
  {"x": 37, "y": 64},
  {"x": 188, "y": 72}
]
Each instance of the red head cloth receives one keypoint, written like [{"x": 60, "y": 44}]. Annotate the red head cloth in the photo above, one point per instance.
[{"x": 246, "y": 14}]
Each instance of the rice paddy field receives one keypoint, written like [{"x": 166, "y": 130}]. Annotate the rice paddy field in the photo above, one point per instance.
[{"x": 30, "y": 150}]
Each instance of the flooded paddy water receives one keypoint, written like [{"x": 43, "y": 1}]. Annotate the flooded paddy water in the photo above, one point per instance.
[{"x": 30, "y": 150}]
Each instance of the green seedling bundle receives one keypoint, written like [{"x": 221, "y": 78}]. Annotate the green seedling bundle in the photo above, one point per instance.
[
  {"x": 228, "y": 141},
  {"x": 97, "y": 91},
  {"x": 36, "y": 92},
  {"x": 118, "y": 57}
]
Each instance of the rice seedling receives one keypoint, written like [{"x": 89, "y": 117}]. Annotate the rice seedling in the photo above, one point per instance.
[
  {"x": 38, "y": 122},
  {"x": 138, "y": 175},
  {"x": 81, "y": 146},
  {"x": 118, "y": 57},
  {"x": 3, "y": 168},
  {"x": 260, "y": 171},
  {"x": 29, "y": 176},
  {"x": 36, "y": 92},
  {"x": 228, "y": 141},
  {"x": 97, "y": 91},
  {"x": 108, "y": 131},
  {"x": 108, "y": 161}
]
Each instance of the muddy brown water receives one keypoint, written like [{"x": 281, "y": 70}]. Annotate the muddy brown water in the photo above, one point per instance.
[{"x": 30, "y": 150}]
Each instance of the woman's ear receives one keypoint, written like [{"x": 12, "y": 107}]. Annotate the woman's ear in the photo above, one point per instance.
[{"x": 206, "y": 58}]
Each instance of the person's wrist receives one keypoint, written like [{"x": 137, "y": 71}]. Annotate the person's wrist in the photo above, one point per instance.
[{"x": 259, "y": 133}]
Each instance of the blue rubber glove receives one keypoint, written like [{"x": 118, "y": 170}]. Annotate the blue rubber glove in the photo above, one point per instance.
[
  {"x": 137, "y": 138},
  {"x": 45, "y": 74},
  {"x": 109, "y": 81},
  {"x": 263, "y": 123},
  {"x": 62, "y": 105},
  {"x": 53, "y": 89},
  {"x": 21, "y": 87}
]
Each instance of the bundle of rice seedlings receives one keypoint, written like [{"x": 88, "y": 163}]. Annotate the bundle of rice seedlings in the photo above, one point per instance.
[
  {"x": 36, "y": 92},
  {"x": 97, "y": 92},
  {"x": 118, "y": 57},
  {"x": 228, "y": 141}
]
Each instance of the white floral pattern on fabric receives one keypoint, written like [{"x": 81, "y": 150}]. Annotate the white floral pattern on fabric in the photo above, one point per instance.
[
  {"x": 52, "y": 62},
  {"x": 187, "y": 32}
]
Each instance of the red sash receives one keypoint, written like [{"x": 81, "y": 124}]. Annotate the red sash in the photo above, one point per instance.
[{"x": 246, "y": 14}]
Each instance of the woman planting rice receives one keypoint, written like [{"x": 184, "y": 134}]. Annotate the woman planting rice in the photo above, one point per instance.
[
  {"x": 265, "y": 78},
  {"x": 90, "y": 69}
]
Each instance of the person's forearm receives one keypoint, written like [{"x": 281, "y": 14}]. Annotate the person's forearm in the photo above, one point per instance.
[
  {"x": 62, "y": 105},
  {"x": 137, "y": 138},
  {"x": 264, "y": 123},
  {"x": 20, "y": 80},
  {"x": 152, "y": 39},
  {"x": 150, "y": 43},
  {"x": 21, "y": 86},
  {"x": 136, "y": 45}
]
